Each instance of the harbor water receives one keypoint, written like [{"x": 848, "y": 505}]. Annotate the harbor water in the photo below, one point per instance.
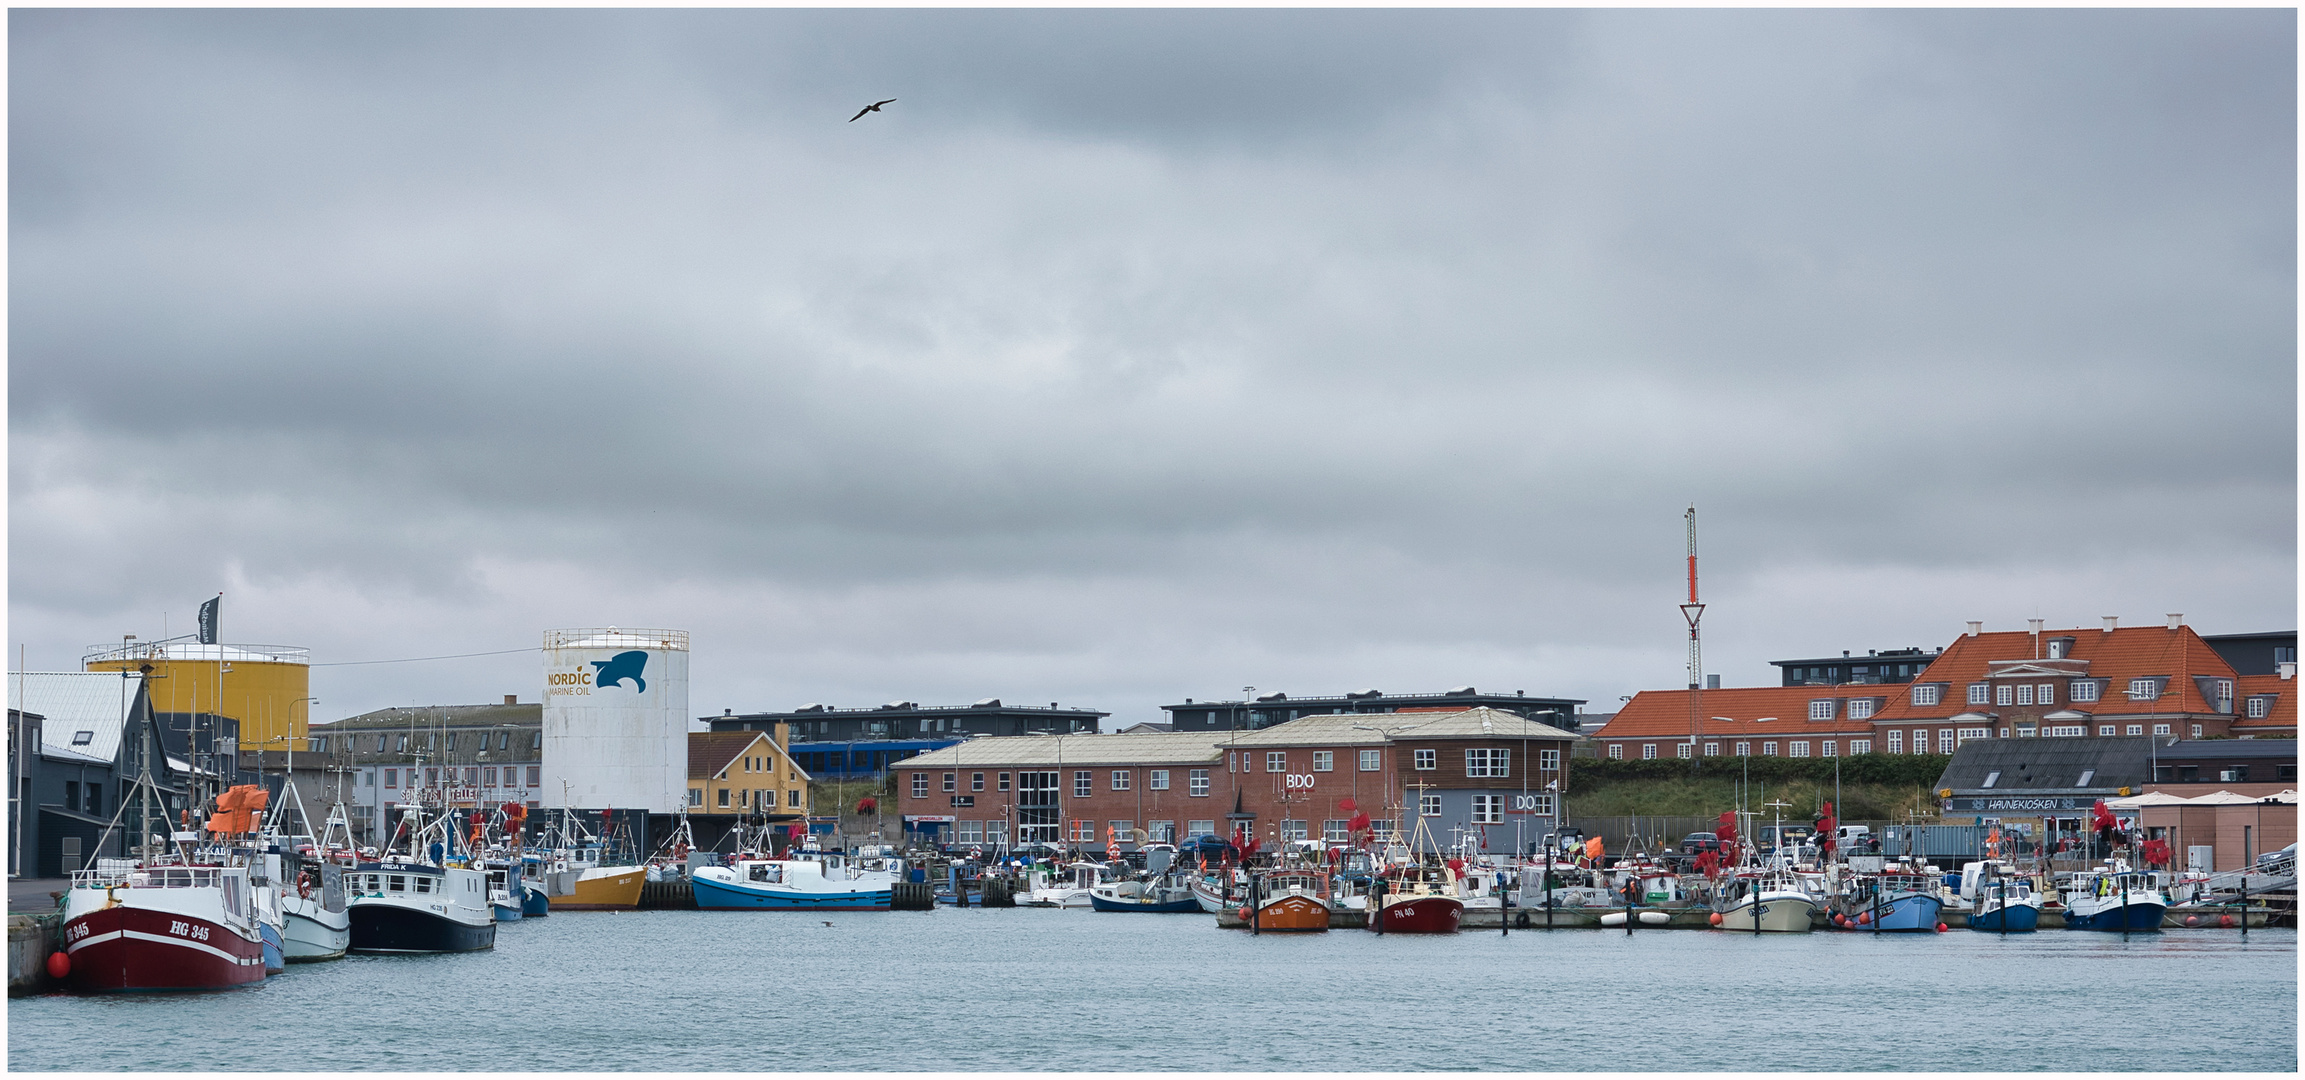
[{"x": 1076, "y": 991}]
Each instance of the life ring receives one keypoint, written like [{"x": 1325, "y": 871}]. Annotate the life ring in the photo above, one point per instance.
[{"x": 304, "y": 887}]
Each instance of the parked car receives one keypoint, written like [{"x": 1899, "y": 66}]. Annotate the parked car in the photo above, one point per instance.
[{"x": 1698, "y": 842}]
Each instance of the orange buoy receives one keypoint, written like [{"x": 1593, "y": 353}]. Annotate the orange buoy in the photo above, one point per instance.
[
  {"x": 1244, "y": 911},
  {"x": 2192, "y": 920},
  {"x": 59, "y": 965},
  {"x": 1716, "y": 918},
  {"x": 1941, "y": 928},
  {"x": 2224, "y": 920}
]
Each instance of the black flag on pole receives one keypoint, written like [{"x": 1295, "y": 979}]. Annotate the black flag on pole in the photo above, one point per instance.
[{"x": 208, "y": 620}]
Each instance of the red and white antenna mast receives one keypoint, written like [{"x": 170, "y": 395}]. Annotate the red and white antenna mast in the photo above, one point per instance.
[{"x": 1694, "y": 611}]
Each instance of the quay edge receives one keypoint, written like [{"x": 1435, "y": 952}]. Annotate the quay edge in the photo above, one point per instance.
[{"x": 30, "y": 939}]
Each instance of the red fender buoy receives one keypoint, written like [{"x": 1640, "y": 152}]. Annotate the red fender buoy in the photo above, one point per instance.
[
  {"x": 2192, "y": 920},
  {"x": 1244, "y": 911},
  {"x": 1941, "y": 928},
  {"x": 59, "y": 965},
  {"x": 2224, "y": 920},
  {"x": 1716, "y": 918},
  {"x": 1864, "y": 917}
]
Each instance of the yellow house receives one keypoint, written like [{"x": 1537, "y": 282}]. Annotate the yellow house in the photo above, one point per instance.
[{"x": 745, "y": 772}]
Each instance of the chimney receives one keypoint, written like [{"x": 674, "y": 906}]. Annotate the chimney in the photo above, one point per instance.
[
  {"x": 783, "y": 734},
  {"x": 1975, "y": 627},
  {"x": 2033, "y": 626},
  {"x": 512, "y": 699},
  {"x": 2176, "y": 619},
  {"x": 2112, "y": 622},
  {"x": 2287, "y": 669}
]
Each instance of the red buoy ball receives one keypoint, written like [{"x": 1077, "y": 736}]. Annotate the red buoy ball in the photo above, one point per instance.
[
  {"x": 2224, "y": 920},
  {"x": 59, "y": 965},
  {"x": 1244, "y": 913},
  {"x": 1864, "y": 917},
  {"x": 1941, "y": 928},
  {"x": 1715, "y": 919},
  {"x": 2192, "y": 920}
]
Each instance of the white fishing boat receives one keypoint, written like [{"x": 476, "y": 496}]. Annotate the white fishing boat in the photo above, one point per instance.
[
  {"x": 815, "y": 881},
  {"x": 1768, "y": 902},
  {"x": 1072, "y": 892},
  {"x": 316, "y": 922}
]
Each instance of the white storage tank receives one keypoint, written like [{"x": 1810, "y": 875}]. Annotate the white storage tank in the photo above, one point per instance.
[{"x": 616, "y": 719}]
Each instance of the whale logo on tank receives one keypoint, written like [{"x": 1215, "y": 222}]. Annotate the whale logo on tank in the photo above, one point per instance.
[{"x": 624, "y": 665}]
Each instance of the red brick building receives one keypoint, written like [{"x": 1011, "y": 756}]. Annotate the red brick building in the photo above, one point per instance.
[
  {"x": 1066, "y": 789},
  {"x": 1478, "y": 776},
  {"x": 2108, "y": 681},
  {"x": 1755, "y": 721},
  {"x": 2111, "y": 681}
]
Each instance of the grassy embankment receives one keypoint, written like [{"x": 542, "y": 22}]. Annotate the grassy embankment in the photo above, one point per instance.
[{"x": 1874, "y": 787}]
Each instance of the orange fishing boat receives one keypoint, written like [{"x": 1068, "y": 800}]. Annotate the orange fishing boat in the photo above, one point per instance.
[
  {"x": 1292, "y": 901},
  {"x": 603, "y": 888}
]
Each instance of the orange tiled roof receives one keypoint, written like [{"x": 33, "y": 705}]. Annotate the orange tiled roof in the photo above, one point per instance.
[
  {"x": 711, "y": 751},
  {"x": 2116, "y": 656},
  {"x": 1741, "y": 712},
  {"x": 2282, "y": 716}
]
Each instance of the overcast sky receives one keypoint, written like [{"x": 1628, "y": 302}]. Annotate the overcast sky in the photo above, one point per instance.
[{"x": 1132, "y": 356}]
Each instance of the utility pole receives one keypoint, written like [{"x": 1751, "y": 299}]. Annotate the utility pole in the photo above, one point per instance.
[{"x": 1694, "y": 611}]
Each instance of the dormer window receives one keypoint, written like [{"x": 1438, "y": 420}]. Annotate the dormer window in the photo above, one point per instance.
[
  {"x": 2260, "y": 707},
  {"x": 1980, "y": 693},
  {"x": 1927, "y": 694},
  {"x": 2086, "y": 690},
  {"x": 2144, "y": 689},
  {"x": 1860, "y": 708},
  {"x": 2059, "y": 648},
  {"x": 1821, "y": 709}
]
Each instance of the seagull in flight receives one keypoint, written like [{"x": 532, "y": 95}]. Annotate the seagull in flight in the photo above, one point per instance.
[{"x": 874, "y": 107}]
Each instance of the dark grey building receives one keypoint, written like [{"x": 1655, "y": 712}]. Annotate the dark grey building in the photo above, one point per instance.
[
  {"x": 833, "y": 743},
  {"x": 1278, "y": 708},
  {"x": 78, "y": 742},
  {"x": 1875, "y": 667},
  {"x": 2054, "y": 778},
  {"x": 2255, "y": 654},
  {"x": 467, "y": 756},
  {"x": 2226, "y": 761}
]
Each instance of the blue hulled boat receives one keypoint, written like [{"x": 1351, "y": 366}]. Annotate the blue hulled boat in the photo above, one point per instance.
[
  {"x": 823, "y": 881},
  {"x": 2114, "y": 898},
  {"x": 1892, "y": 903}
]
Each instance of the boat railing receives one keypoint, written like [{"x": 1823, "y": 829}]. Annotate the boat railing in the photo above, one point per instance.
[{"x": 158, "y": 877}]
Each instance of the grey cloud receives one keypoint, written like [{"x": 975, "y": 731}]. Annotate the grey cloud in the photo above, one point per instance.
[{"x": 1307, "y": 332}]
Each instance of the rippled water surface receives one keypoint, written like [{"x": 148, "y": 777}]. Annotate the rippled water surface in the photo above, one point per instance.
[{"x": 1027, "y": 989}]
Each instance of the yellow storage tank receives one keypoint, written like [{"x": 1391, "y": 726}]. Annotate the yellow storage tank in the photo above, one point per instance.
[{"x": 265, "y": 687}]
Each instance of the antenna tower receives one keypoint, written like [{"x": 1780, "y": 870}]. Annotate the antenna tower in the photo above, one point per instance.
[{"x": 1694, "y": 611}]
